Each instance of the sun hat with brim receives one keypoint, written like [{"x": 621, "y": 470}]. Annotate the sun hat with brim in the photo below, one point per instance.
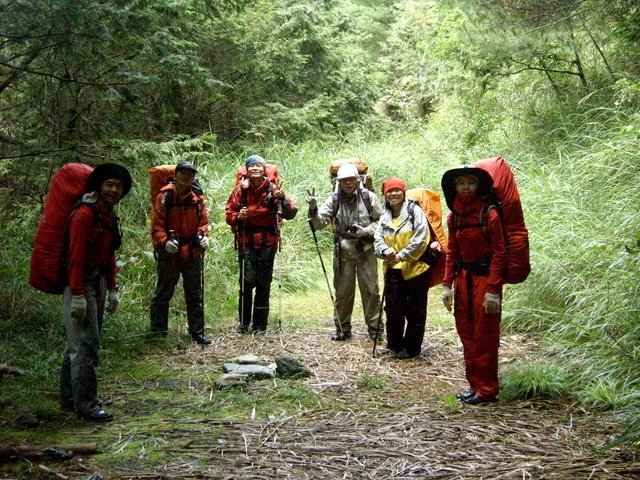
[
  {"x": 106, "y": 171},
  {"x": 449, "y": 182},
  {"x": 347, "y": 170}
]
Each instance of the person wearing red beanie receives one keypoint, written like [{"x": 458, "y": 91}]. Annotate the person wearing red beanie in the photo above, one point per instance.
[{"x": 401, "y": 240}]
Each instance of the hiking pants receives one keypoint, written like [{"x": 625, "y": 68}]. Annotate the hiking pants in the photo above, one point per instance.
[
  {"x": 257, "y": 267},
  {"x": 406, "y": 309},
  {"x": 78, "y": 376},
  {"x": 479, "y": 333},
  {"x": 345, "y": 271},
  {"x": 169, "y": 271}
]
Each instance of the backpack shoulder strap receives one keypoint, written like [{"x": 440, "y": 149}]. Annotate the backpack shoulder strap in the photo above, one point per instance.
[
  {"x": 366, "y": 199},
  {"x": 335, "y": 204},
  {"x": 411, "y": 205}
]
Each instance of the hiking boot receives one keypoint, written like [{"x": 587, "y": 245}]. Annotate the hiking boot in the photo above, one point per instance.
[
  {"x": 201, "y": 339},
  {"x": 341, "y": 336},
  {"x": 403, "y": 355},
  {"x": 67, "y": 406},
  {"x": 260, "y": 331},
  {"x": 242, "y": 329},
  {"x": 466, "y": 395},
  {"x": 97, "y": 416},
  {"x": 478, "y": 400}
]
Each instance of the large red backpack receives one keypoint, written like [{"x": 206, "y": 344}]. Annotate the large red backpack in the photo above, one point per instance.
[
  {"x": 503, "y": 196},
  {"x": 48, "y": 272},
  {"x": 515, "y": 231}
]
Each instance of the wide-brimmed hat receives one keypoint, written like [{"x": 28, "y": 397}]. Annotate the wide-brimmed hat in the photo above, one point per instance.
[
  {"x": 485, "y": 182},
  {"x": 106, "y": 171}
]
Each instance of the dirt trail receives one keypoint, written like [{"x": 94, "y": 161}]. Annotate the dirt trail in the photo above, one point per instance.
[{"x": 404, "y": 428}]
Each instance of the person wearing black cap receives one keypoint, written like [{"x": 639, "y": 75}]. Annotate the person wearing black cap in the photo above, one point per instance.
[
  {"x": 180, "y": 229},
  {"x": 93, "y": 237},
  {"x": 475, "y": 262}
]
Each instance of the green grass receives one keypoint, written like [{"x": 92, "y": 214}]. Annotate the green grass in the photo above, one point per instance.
[
  {"x": 369, "y": 382},
  {"x": 535, "y": 380}
]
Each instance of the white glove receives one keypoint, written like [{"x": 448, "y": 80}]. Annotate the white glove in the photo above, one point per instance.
[
  {"x": 204, "y": 242},
  {"x": 78, "y": 308},
  {"x": 171, "y": 246},
  {"x": 447, "y": 297},
  {"x": 491, "y": 302},
  {"x": 312, "y": 201},
  {"x": 113, "y": 301},
  {"x": 360, "y": 231}
]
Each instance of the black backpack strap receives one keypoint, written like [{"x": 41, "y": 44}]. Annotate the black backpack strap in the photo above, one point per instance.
[
  {"x": 366, "y": 199},
  {"x": 483, "y": 219}
]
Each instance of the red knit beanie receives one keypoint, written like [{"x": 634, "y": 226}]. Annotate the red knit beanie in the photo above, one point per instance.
[{"x": 393, "y": 182}]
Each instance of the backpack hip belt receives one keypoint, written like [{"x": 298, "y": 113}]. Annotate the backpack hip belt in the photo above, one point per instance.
[{"x": 479, "y": 267}]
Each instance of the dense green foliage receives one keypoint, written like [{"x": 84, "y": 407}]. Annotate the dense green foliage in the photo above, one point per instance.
[{"x": 413, "y": 87}]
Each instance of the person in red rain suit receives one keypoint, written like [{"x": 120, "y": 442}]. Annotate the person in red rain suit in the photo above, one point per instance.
[
  {"x": 475, "y": 264},
  {"x": 253, "y": 212}
]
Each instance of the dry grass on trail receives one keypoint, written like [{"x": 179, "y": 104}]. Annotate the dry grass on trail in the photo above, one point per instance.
[{"x": 402, "y": 429}]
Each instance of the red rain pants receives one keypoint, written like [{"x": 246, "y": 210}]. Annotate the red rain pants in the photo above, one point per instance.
[{"x": 479, "y": 333}]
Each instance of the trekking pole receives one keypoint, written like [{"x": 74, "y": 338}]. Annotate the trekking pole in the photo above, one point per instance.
[
  {"x": 280, "y": 285},
  {"x": 242, "y": 272},
  {"x": 326, "y": 277},
  {"x": 384, "y": 292},
  {"x": 200, "y": 237}
]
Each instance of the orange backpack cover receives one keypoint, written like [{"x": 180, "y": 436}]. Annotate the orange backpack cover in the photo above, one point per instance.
[
  {"x": 429, "y": 202},
  {"x": 515, "y": 231},
  {"x": 159, "y": 176},
  {"x": 47, "y": 272}
]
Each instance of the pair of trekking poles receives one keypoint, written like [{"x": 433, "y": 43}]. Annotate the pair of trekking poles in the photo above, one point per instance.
[
  {"x": 243, "y": 267},
  {"x": 333, "y": 301}
]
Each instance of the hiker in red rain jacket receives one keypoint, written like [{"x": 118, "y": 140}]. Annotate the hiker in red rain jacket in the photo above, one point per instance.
[
  {"x": 475, "y": 264},
  {"x": 254, "y": 211},
  {"x": 93, "y": 238},
  {"x": 180, "y": 229}
]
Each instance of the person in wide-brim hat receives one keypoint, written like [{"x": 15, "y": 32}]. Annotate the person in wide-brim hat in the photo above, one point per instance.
[
  {"x": 474, "y": 274},
  {"x": 485, "y": 182},
  {"x": 94, "y": 235},
  {"x": 106, "y": 171}
]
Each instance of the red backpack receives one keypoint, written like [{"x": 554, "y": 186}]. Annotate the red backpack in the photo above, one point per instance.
[
  {"x": 270, "y": 171},
  {"x": 48, "y": 272},
  {"x": 503, "y": 196},
  {"x": 516, "y": 234}
]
